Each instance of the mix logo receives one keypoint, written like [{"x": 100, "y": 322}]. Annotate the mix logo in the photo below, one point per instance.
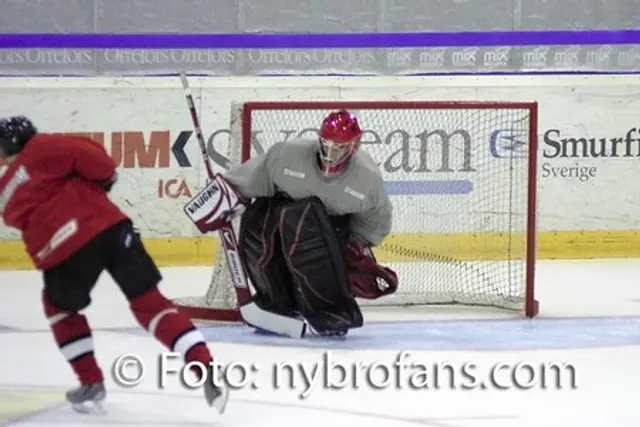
[
  {"x": 535, "y": 58},
  {"x": 567, "y": 57},
  {"x": 464, "y": 57},
  {"x": 498, "y": 57}
]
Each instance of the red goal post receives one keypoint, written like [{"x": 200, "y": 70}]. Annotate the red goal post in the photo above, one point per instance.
[{"x": 462, "y": 179}]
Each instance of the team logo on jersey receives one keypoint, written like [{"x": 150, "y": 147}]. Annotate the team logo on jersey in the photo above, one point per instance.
[
  {"x": 294, "y": 174},
  {"x": 19, "y": 178}
]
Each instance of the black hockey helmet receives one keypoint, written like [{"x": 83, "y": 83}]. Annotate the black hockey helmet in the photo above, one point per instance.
[{"x": 15, "y": 132}]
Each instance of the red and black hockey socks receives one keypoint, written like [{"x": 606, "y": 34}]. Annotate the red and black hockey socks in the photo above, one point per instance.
[
  {"x": 153, "y": 311},
  {"x": 171, "y": 327},
  {"x": 73, "y": 336}
]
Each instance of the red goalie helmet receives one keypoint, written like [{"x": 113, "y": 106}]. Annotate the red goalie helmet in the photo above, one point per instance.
[{"x": 339, "y": 139}]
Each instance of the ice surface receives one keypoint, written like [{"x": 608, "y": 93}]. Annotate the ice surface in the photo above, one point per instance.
[{"x": 590, "y": 313}]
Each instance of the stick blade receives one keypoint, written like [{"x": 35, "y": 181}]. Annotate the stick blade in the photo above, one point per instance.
[{"x": 281, "y": 325}]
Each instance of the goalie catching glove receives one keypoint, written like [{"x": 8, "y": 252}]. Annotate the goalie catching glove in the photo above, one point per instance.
[{"x": 367, "y": 279}]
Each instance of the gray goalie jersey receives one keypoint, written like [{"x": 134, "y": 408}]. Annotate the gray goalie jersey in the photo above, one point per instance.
[{"x": 291, "y": 168}]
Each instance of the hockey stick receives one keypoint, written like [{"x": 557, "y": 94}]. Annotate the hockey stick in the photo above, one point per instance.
[{"x": 251, "y": 313}]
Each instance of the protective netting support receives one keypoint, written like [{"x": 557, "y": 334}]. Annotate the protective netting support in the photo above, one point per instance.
[{"x": 462, "y": 181}]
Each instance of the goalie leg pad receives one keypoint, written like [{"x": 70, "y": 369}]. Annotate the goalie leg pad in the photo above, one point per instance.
[
  {"x": 259, "y": 248},
  {"x": 315, "y": 259}
]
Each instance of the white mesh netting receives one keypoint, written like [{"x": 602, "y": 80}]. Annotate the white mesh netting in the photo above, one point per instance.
[{"x": 458, "y": 178}]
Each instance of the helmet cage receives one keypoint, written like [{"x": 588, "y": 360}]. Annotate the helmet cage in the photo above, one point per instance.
[{"x": 334, "y": 153}]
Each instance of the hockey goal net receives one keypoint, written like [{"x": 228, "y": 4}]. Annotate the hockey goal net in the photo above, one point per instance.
[{"x": 462, "y": 180}]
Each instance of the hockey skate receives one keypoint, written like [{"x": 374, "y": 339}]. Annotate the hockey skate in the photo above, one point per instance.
[
  {"x": 87, "y": 398},
  {"x": 334, "y": 333},
  {"x": 216, "y": 392},
  {"x": 325, "y": 325}
]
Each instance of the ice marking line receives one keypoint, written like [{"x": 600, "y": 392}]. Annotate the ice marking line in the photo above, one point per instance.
[
  {"x": 21, "y": 331},
  {"x": 34, "y": 413}
]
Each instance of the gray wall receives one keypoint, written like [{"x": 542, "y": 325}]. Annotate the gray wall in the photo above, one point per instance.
[{"x": 326, "y": 16}]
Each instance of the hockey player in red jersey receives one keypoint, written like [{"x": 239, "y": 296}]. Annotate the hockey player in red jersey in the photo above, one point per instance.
[{"x": 54, "y": 191}]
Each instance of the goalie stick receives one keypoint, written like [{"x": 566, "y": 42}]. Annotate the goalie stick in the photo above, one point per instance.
[{"x": 251, "y": 313}]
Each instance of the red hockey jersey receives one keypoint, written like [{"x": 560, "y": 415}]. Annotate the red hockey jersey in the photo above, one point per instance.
[{"x": 49, "y": 193}]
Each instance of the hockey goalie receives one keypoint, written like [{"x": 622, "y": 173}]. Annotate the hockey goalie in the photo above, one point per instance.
[{"x": 312, "y": 212}]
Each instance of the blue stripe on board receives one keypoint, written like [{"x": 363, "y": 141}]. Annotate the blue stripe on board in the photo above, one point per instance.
[
  {"x": 309, "y": 41},
  {"x": 397, "y": 188}
]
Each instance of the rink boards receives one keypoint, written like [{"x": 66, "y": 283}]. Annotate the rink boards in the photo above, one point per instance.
[{"x": 588, "y": 140}]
